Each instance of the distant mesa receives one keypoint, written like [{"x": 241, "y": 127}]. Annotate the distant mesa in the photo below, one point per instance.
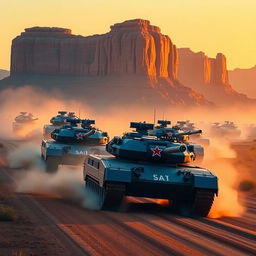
[
  {"x": 208, "y": 76},
  {"x": 244, "y": 80},
  {"x": 196, "y": 68}
]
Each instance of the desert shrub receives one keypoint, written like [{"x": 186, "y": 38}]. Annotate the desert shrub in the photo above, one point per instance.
[{"x": 7, "y": 213}]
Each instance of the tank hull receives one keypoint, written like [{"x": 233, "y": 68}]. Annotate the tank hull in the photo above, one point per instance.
[
  {"x": 66, "y": 154},
  {"x": 179, "y": 183}
]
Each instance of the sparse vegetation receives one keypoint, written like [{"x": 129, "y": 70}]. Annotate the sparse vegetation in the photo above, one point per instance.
[
  {"x": 7, "y": 213},
  {"x": 247, "y": 185}
]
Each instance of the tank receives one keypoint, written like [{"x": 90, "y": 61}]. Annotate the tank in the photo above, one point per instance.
[
  {"x": 175, "y": 134},
  {"x": 196, "y": 137},
  {"x": 226, "y": 130},
  {"x": 22, "y": 121},
  {"x": 147, "y": 166},
  {"x": 70, "y": 143},
  {"x": 56, "y": 122}
]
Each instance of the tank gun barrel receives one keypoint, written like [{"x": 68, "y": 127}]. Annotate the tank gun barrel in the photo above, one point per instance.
[
  {"x": 91, "y": 132},
  {"x": 176, "y": 149},
  {"x": 188, "y": 133}
]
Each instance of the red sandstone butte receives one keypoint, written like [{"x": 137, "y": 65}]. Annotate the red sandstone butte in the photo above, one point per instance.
[{"x": 131, "y": 47}]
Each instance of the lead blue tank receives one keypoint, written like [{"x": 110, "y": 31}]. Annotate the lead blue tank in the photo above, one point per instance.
[
  {"x": 148, "y": 166},
  {"x": 71, "y": 142}
]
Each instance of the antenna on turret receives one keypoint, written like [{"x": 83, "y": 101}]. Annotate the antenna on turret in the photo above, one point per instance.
[{"x": 154, "y": 116}]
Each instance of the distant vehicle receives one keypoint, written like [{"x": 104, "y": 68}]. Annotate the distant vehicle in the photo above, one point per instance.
[
  {"x": 227, "y": 130},
  {"x": 149, "y": 166},
  {"x": 56, "y": 122},
  {"x": 22, "y": 121},
  {"x": 71, "y": 143},
  {"x": 197, "y": 137}
]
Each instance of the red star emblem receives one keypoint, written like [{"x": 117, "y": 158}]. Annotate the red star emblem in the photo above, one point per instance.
[
  {"x": 79, "y": 136},
  {"x": 169, "y": 134},
  {"x": 156, "y": 151}
]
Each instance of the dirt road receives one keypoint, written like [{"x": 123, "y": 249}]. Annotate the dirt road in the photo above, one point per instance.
[{"x": 146, "y": 228}]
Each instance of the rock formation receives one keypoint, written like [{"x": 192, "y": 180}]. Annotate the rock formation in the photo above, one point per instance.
[
  {"x": 131, "y": 47},
  {"x": 208, "y": 76},
  {"x": 133, "y": 51},
  {"x": 197, "y": 68},
  {"x": 244, "y": 80}
]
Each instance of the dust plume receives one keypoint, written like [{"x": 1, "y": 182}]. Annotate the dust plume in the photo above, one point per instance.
[
  {"x": 25, "y": 156},
  {"x": 66, "y": 183},
  {"x": 219, "y": 160}
]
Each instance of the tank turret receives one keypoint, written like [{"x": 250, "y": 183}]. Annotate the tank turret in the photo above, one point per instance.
[
  {"x": 25, "y": 118},
  {"x": 60, "y": 119},
  {"x": 79, "y": 131},
  {"x": 22, "y": 122},
  {"x": 150, "y": 148}
]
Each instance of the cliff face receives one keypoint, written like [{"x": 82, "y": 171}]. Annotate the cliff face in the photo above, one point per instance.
[
  {"x": 197, "y": 68},
  {"x": 244, "y": 80},
  {"x": 131, "y": 47},
  {"x": 208, "y": 76},
  {"x": 133, "y": 62}
]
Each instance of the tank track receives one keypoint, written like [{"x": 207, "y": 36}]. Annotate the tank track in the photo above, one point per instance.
[
  {"x": 203, "y": 202},
  {"x": 109, "y": 196},
  {"x": 199, "y": 206}
]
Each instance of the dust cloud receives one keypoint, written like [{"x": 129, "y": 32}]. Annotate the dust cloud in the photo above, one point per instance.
[
  {"x": 32, "y": 177},
  {"x": 115, "y": 120},
  {"x": 218, "y": 159}
]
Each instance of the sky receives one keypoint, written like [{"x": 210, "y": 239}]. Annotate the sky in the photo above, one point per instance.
[{"x": 211, "y": 26}]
